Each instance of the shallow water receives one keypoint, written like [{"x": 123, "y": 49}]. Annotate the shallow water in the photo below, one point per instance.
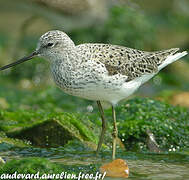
[{"x": 142, "y": 166}]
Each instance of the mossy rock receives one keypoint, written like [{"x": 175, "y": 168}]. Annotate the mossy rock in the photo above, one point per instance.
[
  {"x": 49, "y": 133},
  {"x": 52, "y": 130},
  {"x": 7, "y": 143},
  {"x": 168, "y": 123}
]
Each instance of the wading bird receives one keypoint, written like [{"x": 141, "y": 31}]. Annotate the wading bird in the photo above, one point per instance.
[{"x": 99, "y": 72}]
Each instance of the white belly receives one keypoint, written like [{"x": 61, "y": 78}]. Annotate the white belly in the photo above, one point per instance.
[
  {"x": 97, "y": 85},
  {"x": 101, "y": 93}
]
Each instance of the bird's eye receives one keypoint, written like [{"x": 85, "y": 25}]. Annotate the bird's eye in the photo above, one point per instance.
[{"x": 49, "y": 44}]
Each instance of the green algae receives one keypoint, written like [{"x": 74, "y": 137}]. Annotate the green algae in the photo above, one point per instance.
[
  {"x": 42, "y": 166},
  {"x": 168, "y": 123},
  {"x": 30, "y": 165},
  {"x": 7, "y": 143}
]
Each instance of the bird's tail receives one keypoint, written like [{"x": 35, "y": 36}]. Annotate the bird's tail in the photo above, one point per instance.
[{"x": 172, "y": 58}]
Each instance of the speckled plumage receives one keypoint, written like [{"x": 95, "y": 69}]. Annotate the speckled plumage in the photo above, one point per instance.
[
  {"x": 99, "y": 71},
  {"x": 126, "y": 61}
]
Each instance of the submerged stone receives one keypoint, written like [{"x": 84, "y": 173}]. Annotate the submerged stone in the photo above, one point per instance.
[{"x": 118, "y": 168}]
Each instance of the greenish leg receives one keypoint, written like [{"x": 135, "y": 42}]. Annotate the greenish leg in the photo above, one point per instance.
[
  {"x": 115, "y": 133},
  {"x": 101, "y": 139}
]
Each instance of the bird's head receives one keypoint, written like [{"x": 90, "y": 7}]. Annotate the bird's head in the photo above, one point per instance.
[{"x": 51, "y": 45}]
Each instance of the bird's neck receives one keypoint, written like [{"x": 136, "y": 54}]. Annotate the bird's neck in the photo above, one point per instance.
[{"x": 70, "y": 58}]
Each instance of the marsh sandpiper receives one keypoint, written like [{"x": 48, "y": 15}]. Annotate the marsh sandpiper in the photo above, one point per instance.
[{"x": 99, "y": 72}]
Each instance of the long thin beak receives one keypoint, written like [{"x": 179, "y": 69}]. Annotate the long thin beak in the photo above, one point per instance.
[{"x": 20, "y": 60}]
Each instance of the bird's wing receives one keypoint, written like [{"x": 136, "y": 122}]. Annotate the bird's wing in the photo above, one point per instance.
[{"x": 126, "y": 61}]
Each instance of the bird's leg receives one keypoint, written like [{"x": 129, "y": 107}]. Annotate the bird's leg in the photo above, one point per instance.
[
  {"x": 115, "y": 133},
  {"x": 103, "y": 127}
]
